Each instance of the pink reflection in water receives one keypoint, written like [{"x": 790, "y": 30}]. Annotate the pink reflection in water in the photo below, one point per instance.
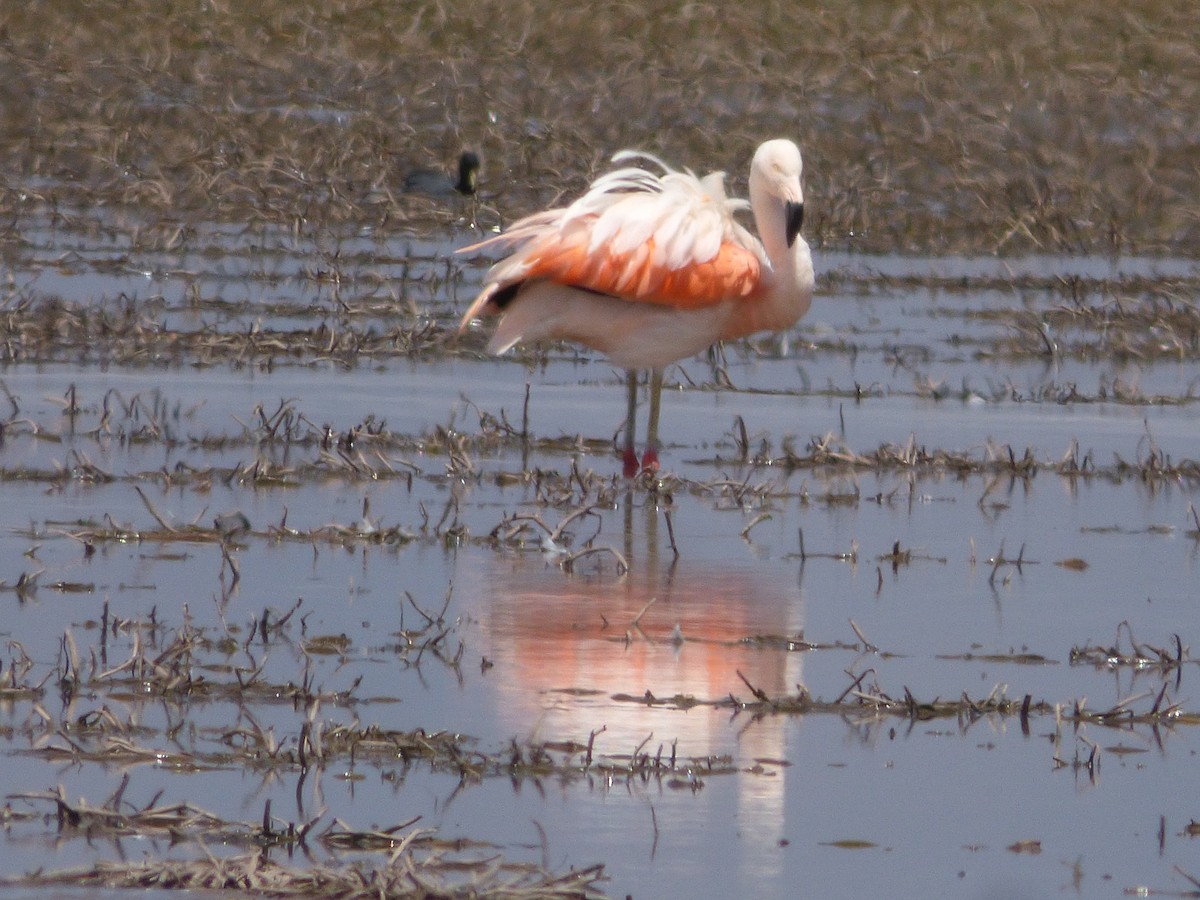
[{"x": 567, "y": 647}]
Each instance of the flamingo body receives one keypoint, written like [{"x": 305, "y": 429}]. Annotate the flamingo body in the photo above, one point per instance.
[{"x": 649, "y": 269}]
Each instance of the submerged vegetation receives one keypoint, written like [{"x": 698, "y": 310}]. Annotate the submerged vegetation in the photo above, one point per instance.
[{"x": 184, "y": 669}]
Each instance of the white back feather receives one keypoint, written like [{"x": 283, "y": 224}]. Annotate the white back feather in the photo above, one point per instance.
[{"x": 688, "y": 218}]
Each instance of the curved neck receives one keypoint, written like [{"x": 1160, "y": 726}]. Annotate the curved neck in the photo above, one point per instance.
[
  {"x": 770, "y": 218},
  {"x": 788, "y": 283}
]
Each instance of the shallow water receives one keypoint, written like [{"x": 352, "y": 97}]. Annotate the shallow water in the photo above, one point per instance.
[{"x": 1002, "y": 574}]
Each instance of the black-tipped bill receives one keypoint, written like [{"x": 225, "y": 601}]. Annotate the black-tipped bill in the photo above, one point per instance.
[{"x": 794, "y": 216}]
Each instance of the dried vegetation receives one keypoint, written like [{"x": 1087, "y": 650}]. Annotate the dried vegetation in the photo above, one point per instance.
[{"x": 948, "y": 126}]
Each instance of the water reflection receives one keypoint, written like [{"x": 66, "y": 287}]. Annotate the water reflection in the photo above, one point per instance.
[
  {"x": 667, "y": 631},
  {"x": 575, "y": 653}
]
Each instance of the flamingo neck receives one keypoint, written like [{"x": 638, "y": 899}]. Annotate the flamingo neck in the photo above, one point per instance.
[{"x": 788, "y": 283}]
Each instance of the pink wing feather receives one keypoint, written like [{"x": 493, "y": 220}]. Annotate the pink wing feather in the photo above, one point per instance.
[{"x": 669, "y": 240}]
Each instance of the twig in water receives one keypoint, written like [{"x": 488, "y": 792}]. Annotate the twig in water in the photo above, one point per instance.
[
  {"x": 1194, "y": 881},
  {"x": 428, "y": 618},
  {"x": 862, "y": 637},
  {"x": 154, "y": 512},
  {"x": 997, "y": 561},
  {"x": 525, "y": 415},
  {"x": 670, "y": 533},
  {"x": 227, "y": 559},
  {"x": 854, "y": 685},
  {"x": 568, "y": 561},
  {"x": 759, "y": 693},
  {"x": 654, "y": 822},
  {"x": 742, "y": 439},
  {"x": 638, "y": 617},
  {"x": 592, "y": 743},
  {"x": 761, "y": 517}
]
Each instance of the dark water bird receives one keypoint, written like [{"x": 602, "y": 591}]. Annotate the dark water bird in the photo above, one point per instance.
[
  {"x": 650, "y": 268},
  {"x": 437, "y": 183}
]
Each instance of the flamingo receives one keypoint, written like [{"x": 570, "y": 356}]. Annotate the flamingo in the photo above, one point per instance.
[{"x": 650, "y": 268}]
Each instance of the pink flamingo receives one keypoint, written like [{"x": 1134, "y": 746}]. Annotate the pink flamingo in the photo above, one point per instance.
[{"x": 649, "y": 269}]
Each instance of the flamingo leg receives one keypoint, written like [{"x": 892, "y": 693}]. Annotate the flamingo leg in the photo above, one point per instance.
[
  {"x": 631, "y": 460},
  {"x": 650, "y": 457}
]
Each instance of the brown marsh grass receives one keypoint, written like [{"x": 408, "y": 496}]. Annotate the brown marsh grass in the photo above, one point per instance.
[{"x": 941, "y": 127}]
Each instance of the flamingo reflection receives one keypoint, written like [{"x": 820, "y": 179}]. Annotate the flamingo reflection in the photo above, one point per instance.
[{"x": 576, "y": 653}]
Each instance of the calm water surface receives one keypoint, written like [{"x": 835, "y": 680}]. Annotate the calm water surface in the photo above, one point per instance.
[{"x": 816, "y": 805}]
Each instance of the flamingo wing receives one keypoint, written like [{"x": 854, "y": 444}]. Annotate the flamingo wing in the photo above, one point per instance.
[{"x": 669, "y": 240}]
